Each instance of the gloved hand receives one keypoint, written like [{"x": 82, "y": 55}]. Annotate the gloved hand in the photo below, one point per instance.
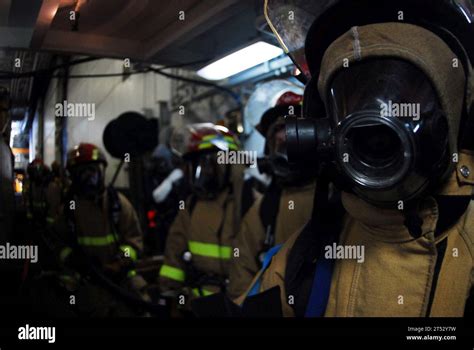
[
  {"x": 70, "y": 280},
  {"x": 119, "y": 266}
]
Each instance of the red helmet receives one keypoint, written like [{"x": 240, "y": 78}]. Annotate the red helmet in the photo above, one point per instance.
[
  {"x": 205, "y": 137},
  {"x": 289, "y": 98},
  {"x": 85, "y": 153},
  {"x": 281, "y": 109}
]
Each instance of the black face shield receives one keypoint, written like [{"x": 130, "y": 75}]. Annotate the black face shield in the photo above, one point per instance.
[
  {"x": 276, "y": 164},
  {"x": 88, "y": 180},
  {"x": 390, "y": 134},
  {"x": 206, "y": 176},
  {"x": 384, "y": 131}
]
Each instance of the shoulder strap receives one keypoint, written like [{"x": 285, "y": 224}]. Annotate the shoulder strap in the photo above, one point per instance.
[
  {"x": 255, "y": 289},
  {"x": 114, "y": 207},
  {"x": 70, "y": 219},
  {"x": 247, "y": 196},
  {"x": 323, "y": 229},
  {"x": 192, "y": 204},
  {"x": 320, "y": 289},
  {"x": 268, "y": 213}
]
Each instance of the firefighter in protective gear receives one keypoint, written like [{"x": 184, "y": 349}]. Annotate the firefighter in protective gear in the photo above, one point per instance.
[
  {"x": 99, "y": 228},
  {"x": 286, "y": 205},
  {"x": 404, "y": 248},
  {"x": 56, "y": 191},
  {"x": 59, "y": 176},
  {"x": 199, "y": 244},
  {"x": 42, "y": 197}
]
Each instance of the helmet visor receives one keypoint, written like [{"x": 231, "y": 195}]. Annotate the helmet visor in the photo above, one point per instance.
[{"x": 207, "y": 176}]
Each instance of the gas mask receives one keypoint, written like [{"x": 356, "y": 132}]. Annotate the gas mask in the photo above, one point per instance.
[
  {"x": 206, "y": 176},
  {"x": 390, "y": 129},
  {"x": 275, "y": 162},
  {"x": 275, "y": 149},
  {"x": 88, "y": 180},
  {"x": 385, "y": 132}
]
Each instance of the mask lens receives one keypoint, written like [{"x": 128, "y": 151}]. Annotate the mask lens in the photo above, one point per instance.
[
  {"x": 207, "y": 176},
  {"x": 374, "y": 152},
  {"x": 88, "y": 179},
  {"x": 375, "y": 145}
]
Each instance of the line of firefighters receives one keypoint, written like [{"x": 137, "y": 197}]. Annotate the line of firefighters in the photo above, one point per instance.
[{"x": 222, "y": 228}]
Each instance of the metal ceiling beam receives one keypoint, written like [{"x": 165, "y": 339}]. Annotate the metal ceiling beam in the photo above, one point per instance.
[
  {"x": 43, "y": 23},
  {"x": 204, "y": 11},
  {"x": 94, "y": 45},
  {"x": 122, "y": 18},
  {"x": 11, "y": 37},
  {"x": 4, "y": 11}
]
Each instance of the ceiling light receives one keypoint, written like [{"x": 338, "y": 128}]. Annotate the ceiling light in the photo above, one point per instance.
[{"x": 239, "y": 61}]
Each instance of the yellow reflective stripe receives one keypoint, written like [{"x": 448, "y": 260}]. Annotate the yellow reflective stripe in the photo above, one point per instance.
[
  {"x": 67, "y": 278},
  {"x": 129, "y": 251},
  {"x": 209, "y": 137},
  {"x": 210, "y": 250},
  {"x": 65, "y": 252},
  {"x": 50, "y": 220},
  {"x": 96, "y": 241},
  {"x": 212, "y": 137},
  {"x": 73, "y": 276},
  {"x": 95, "y": 154},
  {"x": 172, "y": 273},
  {"x": 131, "y": 273},
  {"x": 205, "y": 145},
  {"x": 205, "y": 292}
]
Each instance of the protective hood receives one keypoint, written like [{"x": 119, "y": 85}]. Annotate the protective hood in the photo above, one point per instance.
[{"x": 413, "y": 44}]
